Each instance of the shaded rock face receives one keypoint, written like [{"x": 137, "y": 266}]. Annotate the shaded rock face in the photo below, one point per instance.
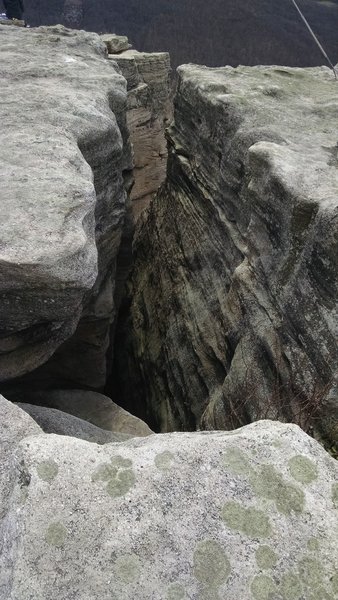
[
  {"x": 148, "y": 114},
  {"x": 231, "y": 314},
  {"x": 249, "y": 515},
  {"x": 64, "y": 149}
]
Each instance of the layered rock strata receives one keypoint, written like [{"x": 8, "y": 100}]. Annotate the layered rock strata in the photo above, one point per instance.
[
  {"x": 148, "y": 114},
  {"x": 232, "y": 307},
  {"x": 204, "y": 516}
]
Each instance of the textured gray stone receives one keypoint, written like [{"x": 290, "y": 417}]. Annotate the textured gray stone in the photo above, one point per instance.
[
  {"x": 64, "y": 147},
  {"x": 115, "y": 43},
  {"x": 93, "y": 407},
  {"x": 52, "y": 420},
  {"x": 243, "y": 515},
  {"x": 233, "y": 296},
  {"x": 149, "y": 111}
]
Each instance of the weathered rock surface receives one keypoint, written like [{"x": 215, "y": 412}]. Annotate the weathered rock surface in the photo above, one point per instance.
[
  {"x": 64, "y": 147},
  {"x": 52, "y": 420},
  {"x": 115, "y": 43},
  {"x": 248, "y": 514},
  {"x": 232, "y": 308},
  {"x": 148, "y": 113},
  {"x": 88, "y": 406}
]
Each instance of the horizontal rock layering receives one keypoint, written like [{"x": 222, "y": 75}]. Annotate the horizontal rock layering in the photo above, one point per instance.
[
  {"x": 64, "y": 147},
  {"x": 246, "y": 515},
  {"x": 233, "y": 298}
]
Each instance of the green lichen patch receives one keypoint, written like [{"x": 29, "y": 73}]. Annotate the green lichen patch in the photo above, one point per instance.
[
  {"x": 121, "y": 462},
  {"x": 117, "y": 475},
  {"x": 47, "y": 470},
  {"x": 127, "y": 568},
  {"x": 266, "y": 558},
  {"x": 313, "y": 544},
  {"x": 310, "y": 572},
  {"x": 303, "y": 469},
  {"x": 121, "y": 483},
  {"x": 176, "y": 591},
  {"x": 268, "y": 483},
  {"x": 251, "y": 521},
  {"x": 211, "y": 565},
  {"x": 235, "y": 460},
  {"x": 56, "y": 534},
  {"x": 104, "y": 472},
  {"x": 263, "y": 587},
  {"x": 291, "y": 587},
  {"x": 163, "y": 461},
  {"x": 335, "y": 495}
]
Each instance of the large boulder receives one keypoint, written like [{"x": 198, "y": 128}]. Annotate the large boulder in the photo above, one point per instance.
[
  {"x": 97, "y": 409},
  {"x": 231, "y": 313},
  {"x": 248, "y": 514},
  {"x": 52, "y": 420},
  {"x": 63, "y": 150}
]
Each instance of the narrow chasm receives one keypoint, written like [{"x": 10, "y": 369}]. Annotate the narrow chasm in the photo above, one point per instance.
[{"x": 226, "y": 318}]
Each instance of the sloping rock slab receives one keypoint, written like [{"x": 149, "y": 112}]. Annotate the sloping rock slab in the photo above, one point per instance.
[
  {"x": 52, "y": 420},
  {"x": 62, "y": 196},
  {"x": 242, "y": 515},
  {"x": 96, "y": 408}
]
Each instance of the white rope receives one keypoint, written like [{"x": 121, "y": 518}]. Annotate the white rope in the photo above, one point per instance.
[{"x": 314, "y": 37}]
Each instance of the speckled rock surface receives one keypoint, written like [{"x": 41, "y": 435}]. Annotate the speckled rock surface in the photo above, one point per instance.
[
  {"x": 52, "y": 420},
  {"x": 232, "y": 308},
  {"x": 201, "y": 516},
  {"x": 64, "y": 147}
]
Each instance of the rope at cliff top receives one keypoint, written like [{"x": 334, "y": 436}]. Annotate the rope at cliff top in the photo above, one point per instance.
[{"x": 314, "y": 37}]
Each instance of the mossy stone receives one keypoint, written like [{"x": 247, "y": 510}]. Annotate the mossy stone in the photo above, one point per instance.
[
  {"x": 127, "y": 568},
  {"x": 211, "y": 565},
  {"x": 291, "y": 587},
  {"x": 266, "y": 558},
  {"x": 310, "y": 572},
  {"x": 236, "y": 461},
  {"x": 121, "y": 483},
  {"x": 251, "y": 521},
  {"x": 303, "y": 469},
  {"x": 163, "y": 461},
  {"x": 335, "y": 495},
  {"x": 47, "y": 470},
  {"x": 263, "y": 587},
  {"x": 56, "y": 534}
]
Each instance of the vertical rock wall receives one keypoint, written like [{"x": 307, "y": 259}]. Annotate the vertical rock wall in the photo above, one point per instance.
[
  {"x": 64, "y": 149},
  {"x": 232, "y": 310}
]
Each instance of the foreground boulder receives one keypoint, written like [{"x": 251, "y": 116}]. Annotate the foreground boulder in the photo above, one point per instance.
[
  {"x": 248, "y": 514},
  {"x": 64, "y": 148},
  {"x": 231, "y": 314}
]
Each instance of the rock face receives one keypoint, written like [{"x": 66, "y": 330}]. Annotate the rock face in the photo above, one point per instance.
[
  {"x": 64, "y": 148},
  {"x": 204, "y": 516},
  {"x": 148, "y": 113},
  {"x": 232, "y": 308}
]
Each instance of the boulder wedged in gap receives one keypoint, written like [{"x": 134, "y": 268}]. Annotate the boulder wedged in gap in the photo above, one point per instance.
[{"x": 231, "y": 313}]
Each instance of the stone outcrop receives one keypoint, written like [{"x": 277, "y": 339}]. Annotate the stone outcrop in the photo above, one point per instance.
[
  {"x": 52, "y": 420},
  {"x": 64, "y": 148},
  {"x": 248, "y": 514},
  {"x": 148, "y": 114},
  {"x": 97, "y": 409},
  {"x": 231, "y": 314}
]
